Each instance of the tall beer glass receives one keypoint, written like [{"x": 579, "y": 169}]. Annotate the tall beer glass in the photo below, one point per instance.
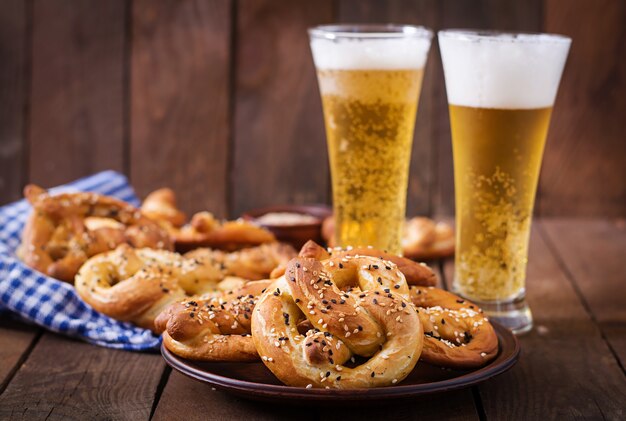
[
  {"x": 501, "y": 89},
  {"x": 370, "y": 77}
]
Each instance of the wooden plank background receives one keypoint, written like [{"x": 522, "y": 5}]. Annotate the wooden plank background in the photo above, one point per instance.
[{"x": 218, "y": 98}]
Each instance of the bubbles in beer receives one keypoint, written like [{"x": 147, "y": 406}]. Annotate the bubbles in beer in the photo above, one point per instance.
[
  {"x": 370, "y": 81},
  {"x": 370, "y": 116},
  {"x": 497, "y": 156}
]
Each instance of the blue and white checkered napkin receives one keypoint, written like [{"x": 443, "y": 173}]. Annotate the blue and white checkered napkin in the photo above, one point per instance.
[{"x": 54, "y": 304}]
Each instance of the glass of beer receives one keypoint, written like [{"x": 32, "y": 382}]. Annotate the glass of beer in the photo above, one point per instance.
[
  {"x": 370, "y": 77},
  {"x": 501, "y": 89}
]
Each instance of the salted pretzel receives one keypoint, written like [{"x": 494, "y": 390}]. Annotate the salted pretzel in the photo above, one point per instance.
[
  {"x": 345, "y": 308},
  {"x": 457, "y": 333},
  {"x": 425, "y": 239},
  {"x": 204, "y": 230},
  {"x": 135, "y": 285},
  {"x": 415, "y": 273},
  {"x": 251, "y": 263},
  {"x": 214, "y": 327},
  {"x": 422, "y": 239},
  {"x": 473, "y": 337},
  {"x": 64, "y": 230}
]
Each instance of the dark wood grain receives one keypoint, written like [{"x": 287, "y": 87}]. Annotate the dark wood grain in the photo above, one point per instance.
[
  {"x": 507, "y": 15},
  {"x": 584, "y": 172},
  {"x": 65, "y": 379},
  {"x": 14, "y": 45},
  {"x": 448, "y": 406},
  {"x": 180, "y": 100},
  {"x": 279, "y": 145},
  {"x": 218, "y": 99},
  {"x": 203, "y": 401},
  {"x": 566, "y": 370},
  {"x": 16, "y": 339},
  {"x": 180, "y": 113},
  {"x": 77, "y": 98},
  {"x": 591, "y": 253},
  {"x": 424, "y": 13}
]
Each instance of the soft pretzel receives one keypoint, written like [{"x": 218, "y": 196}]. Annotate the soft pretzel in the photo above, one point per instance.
[
  {"x": 215, "y": 327},
  {"x": 422, "y": 239},
  {"x": 64, "y": 230},
  {"x": 473, "y": 337},
  {"x": 137, "y": 284},
  {"x": 353, "y": 311},
  {"x": 415, "y": 273},
  {"x": 425, "y": 239},
  {"x": 457, "y": 333},
  {"x": 251, "y": 263},
  {"x": 204, "y": 230}
]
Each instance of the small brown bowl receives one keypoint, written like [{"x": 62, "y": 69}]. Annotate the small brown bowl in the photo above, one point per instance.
[{"x": 295, "y": 234}]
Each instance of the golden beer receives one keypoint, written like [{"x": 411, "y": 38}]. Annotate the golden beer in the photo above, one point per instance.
[
  {"x": 369, "y": 117},
  {"x": 501, "y": 90},
  {"x": 497, "y": 157},
  {"x": 370, "y": 79}
]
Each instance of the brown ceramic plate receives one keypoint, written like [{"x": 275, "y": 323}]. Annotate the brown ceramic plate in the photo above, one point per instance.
[{"x": 255, "y": 381}]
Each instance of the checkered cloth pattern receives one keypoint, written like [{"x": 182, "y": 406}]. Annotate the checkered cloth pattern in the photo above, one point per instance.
[{"x": 52, "y": 304}]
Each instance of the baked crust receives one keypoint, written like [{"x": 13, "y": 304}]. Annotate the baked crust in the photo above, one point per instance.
[
  {"x": 213, "y": 327},
  {"x": 204, "y": 230},
  {"x": 351, "y": 310},
  {"x": 415, "y": 273},
  {"x": 457, "y": 333},
  {"x": 251, "y": 263},
  {"x": 64, "y": 230},
  {"x": 135, "y": 285}
]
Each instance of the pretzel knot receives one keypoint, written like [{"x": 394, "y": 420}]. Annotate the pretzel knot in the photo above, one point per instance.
[
  {"x": 213, "y": 327},
  {"x": 137, "y": 284},
  {"x": 64, "y": 230},
  {"x": 425, "y": 239},
  {"x": 317, "y": 323},
  {"x": 457, "y": 333}
]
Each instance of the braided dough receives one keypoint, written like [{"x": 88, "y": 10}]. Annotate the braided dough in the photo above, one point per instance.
[
  {"x": 204, "y": 230},
  {"x": 351, "y": 310},
  {"x": 135, "y": 285},
  {"x": 214, "y": 327},
  {"x": 64, "y": 230},
  {"x": 423, "y": 238}
]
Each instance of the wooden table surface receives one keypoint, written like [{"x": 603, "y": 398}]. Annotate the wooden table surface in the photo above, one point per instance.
[{"x": 572, "y": 363}]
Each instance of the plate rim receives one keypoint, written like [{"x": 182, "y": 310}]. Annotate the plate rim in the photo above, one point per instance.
[{"x": 265, "y": 390}]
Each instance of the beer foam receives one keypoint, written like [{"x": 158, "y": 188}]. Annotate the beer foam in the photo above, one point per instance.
[
  {"x": 507, "y": 71},
  {"x": 363, "y": 53}
]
